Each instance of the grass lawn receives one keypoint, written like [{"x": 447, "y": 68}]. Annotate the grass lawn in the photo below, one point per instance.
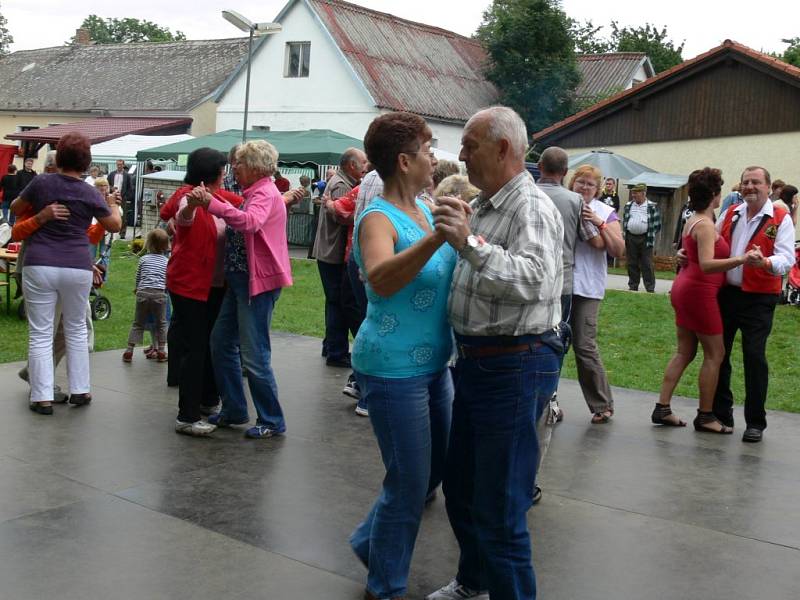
[
  {"x": 637, "y": 333},
  {"x": 659, "y": 274}
]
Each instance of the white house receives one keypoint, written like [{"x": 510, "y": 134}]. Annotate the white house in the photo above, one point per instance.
[{"x": 337, "y": 65}]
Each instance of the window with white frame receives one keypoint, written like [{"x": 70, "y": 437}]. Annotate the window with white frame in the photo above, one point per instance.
[{"x": 298, "y": 57}]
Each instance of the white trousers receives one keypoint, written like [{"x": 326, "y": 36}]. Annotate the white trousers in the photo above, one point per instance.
[{"x": 44, "y": 288}]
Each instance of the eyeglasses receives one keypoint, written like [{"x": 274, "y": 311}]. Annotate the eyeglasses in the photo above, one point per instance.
[{"x": 585, "y": 183}]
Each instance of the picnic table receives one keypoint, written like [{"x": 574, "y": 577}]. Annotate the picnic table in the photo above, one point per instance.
[{"x": 11, "y": 259}]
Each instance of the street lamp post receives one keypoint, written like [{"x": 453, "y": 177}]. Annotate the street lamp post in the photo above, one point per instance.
[{"x": 252, "y": 29}]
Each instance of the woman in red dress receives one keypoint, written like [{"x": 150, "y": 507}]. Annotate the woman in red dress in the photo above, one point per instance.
[{"x": 694, "y": 298}]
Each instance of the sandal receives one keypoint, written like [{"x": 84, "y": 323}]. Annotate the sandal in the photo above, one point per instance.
[
  {"x": 661, "y": 416},
  {"x": 599, "y": 418},
  {"x": 703, "y": 419}
]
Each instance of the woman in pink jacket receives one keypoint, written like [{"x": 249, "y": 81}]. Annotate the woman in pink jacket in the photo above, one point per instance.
[{"x": 256, "y": 268}]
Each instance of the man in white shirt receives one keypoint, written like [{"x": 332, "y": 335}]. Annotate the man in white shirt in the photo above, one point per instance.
[
  {"x": 747, "y": 301},
  {"x": 641, "y": 221}
]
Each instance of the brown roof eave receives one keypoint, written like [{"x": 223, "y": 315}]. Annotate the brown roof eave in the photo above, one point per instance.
[{"x": 610, "y": 105}]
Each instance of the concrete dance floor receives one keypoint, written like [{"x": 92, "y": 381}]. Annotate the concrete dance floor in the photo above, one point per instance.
[{"x": 107, "y": 502}]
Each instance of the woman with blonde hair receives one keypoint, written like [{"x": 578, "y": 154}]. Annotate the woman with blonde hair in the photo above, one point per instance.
[
  {"x": 603, "y": 235},
  {"x": 256, "y": 268},
  {"x": 457, "y": 186}
]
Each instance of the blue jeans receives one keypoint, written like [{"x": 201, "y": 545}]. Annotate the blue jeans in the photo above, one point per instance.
[
  {"x": 7, "y": 214},
  {"x": 411, "y": 421},
  {"x": 243, "y": 326},
  {"x": 492, "y": 461}
]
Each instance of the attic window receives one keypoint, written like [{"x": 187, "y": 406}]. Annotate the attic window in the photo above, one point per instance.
[
  {"x": 28, "y": 67},
  {"x": 298, "y": 57}
]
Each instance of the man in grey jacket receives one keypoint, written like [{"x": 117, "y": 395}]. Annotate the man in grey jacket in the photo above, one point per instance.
[{"x": 329, "y": 247}]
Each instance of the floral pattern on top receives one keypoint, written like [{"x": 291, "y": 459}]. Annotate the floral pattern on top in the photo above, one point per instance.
[
  {"x": 407, "y": 333},
  {"x": 235, "y": 250},
  {"x": 423, "y": 299}
]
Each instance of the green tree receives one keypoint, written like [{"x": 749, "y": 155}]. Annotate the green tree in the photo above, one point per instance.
[
  {"x": 792, "y": 54},
  {"x": 5, "y": 37},
  {"x": 587, "y": 40},
  {"x": 648, "y": 39},
  {"x": 123, "y": 31},
  {"x": 531, "y": 59}
]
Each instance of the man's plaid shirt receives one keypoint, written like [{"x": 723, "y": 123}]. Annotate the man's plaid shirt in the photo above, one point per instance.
[
  {"x": 511, "y": 284},
  {"x": 653, "y": 221}
]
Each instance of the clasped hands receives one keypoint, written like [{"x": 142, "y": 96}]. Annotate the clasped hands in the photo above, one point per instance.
[
  {"x": 754, "y": 257},
  {"x": 451, "y": 220},
  {"x": 199, "y": 196}
]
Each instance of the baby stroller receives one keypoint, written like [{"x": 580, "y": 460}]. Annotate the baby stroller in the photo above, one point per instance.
[
  {"x": 791, "y": 291},
  {"x": 99, "y": 304}
]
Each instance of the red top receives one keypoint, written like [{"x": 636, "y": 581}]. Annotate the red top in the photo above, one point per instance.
[
  {"x": 282, "y": 184},
  {"x": 194, "y": 248},
  {"x": 345, "y": 208}
]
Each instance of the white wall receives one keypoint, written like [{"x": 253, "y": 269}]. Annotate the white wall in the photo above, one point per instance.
[
  {"x": 331, "y": 97},
  {"x": 639, "y": 76},
  {"x": 777, "y": 152}
]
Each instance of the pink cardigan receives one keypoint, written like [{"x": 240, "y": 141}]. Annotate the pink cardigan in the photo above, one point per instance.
[{"x": 263, "y": 222}]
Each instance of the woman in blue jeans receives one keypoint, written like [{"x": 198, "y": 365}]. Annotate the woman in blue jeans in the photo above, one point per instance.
[
  {"x": 256, "y": 268},
  {"x": 401, "y": 351}
]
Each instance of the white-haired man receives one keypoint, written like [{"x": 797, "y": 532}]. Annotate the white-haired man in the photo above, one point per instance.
[{"x": 505, "y": 306}]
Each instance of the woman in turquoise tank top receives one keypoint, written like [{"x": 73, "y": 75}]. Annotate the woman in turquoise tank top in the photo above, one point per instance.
[{"x": 402, "y": 348}]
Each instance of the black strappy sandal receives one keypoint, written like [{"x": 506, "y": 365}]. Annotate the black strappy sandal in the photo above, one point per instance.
[
  {"x": 705, "y": 418},
  {"x": 660, "y": 414}
]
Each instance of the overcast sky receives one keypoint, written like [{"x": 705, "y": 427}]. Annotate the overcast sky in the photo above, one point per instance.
[{"x": 702, "y": 23}]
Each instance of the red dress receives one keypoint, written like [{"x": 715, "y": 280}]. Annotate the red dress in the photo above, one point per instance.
[{"x": 694, "y": 293}]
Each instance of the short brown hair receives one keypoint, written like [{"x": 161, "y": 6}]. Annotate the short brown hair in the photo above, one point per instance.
[
  {"x": 73, "y": 152},
  {"x": 157, "y": 241},
  {"x": 390, "y": 135},
  {"x": 767, "y": 177},
  {"x": 704, "y": 185}
]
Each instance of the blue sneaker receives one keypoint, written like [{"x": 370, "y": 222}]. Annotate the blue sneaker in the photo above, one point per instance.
[
  {"x": 221, "y": 420},
  {"x": 262, "y": 431}
]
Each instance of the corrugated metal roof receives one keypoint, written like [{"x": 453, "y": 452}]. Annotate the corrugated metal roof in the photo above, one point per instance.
[
  {"x": 409, "y": 66},
  {"x": 604, "y": 73},
  {"x": 99, "y": 130},
  {"x": 117, "y": 77}
]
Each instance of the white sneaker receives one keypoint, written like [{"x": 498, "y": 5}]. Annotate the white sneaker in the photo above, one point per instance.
[
  {"x": 198, "y": 428},
  {"x": 351, "y": 388},
  {"x": 555, "y": 414},
  {"x": 456, "y": 591}
]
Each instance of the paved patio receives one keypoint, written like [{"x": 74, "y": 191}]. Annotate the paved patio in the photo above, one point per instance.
[{"x": 107, "y": 502}]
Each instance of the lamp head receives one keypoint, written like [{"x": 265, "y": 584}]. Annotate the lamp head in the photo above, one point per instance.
[{"x": 245, "y": 24}]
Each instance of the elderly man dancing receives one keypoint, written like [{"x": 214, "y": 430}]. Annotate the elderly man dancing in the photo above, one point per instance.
[{"x": 505, "y": 306}]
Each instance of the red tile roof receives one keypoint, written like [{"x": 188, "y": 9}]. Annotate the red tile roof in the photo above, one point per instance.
[
  {"x": 407, "y": 65},
  {"x": 726, "y": 46},
  {"x": 101, "y": 129}
]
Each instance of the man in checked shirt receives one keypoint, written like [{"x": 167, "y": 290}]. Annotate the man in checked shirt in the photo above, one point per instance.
[{"x": 505, "y": 307}]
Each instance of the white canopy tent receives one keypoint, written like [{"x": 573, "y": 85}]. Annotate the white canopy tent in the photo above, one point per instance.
[{"x": 127, "y": 146}]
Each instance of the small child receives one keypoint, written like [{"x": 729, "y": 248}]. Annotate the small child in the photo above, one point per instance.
[{"x": 151, "y": 296}]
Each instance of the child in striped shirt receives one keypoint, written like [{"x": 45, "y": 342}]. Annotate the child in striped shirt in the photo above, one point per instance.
[{"x": 151, "y": 295}]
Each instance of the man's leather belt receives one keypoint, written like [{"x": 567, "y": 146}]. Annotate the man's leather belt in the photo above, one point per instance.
[{"x": 484, "y": 351}]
